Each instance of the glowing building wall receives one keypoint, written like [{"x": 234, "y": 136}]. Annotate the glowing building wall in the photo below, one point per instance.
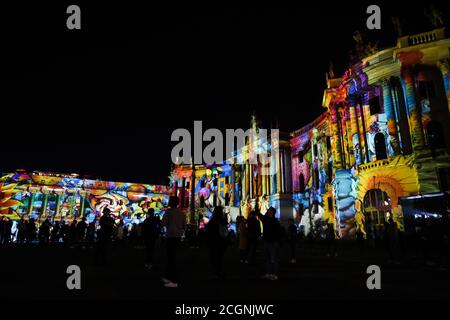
[{"x": 63, "y": 196}]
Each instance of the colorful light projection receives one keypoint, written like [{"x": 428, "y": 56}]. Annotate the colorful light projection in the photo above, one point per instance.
[
  {"x": 36, "y": 195},
  {"x": 312, "y": 174}
]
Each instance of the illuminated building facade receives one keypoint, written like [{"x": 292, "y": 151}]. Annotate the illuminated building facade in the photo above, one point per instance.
[
  {"x": 384, "y": 137},
  {"x": 239, "y": 184},
  {"x": 390, "y": 137},
  {"x": 312, "y": 174},
  {"x": 44, "y": 194}
]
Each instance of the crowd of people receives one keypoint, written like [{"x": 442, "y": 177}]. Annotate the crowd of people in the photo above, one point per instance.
[{"x": 215, "y": 235}]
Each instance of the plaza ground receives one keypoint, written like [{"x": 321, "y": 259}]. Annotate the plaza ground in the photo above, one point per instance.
[{"x": 39, "y": 273}]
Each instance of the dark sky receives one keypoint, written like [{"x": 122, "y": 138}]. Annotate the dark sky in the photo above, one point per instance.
[{"x": 105, "y": 100}]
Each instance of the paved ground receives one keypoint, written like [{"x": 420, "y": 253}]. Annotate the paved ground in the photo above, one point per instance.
[{"x": 36, "y": 272}]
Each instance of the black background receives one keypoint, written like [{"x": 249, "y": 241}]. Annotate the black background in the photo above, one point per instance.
[{"x": 105, "y": 99}]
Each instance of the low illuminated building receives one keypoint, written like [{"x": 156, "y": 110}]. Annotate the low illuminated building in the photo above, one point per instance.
[{"x": 59, "y": 196}]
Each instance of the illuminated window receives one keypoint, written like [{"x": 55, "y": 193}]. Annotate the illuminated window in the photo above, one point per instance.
[
  {"x": 330, "y": 204},
  {"x": 435, "y": 135},
  {"x": 316, "y": 178},
  {"x": 302, "y": 182},
  {"x": 328, "y": 143},
  {"x": 300, "y": 157},
  {"x": 329, "y": 172},
  {"x": 380, "y": 146},
  {"x": 426, "y": 89},
  {"x": 374, "y": 106},
  {"x": 444, "y": 178}
]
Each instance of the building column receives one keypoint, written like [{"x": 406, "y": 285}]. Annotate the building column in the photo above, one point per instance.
[
  {"x": 280, "y": 173},
  {"x": 336, "y": 139},
  {"x": 82, "y": 200},
  {"x": 445, "y": 69},
  {"x": 288, "y": 170},
  {"x": 415, "y": 122},
  {"x": 248, "y": 180},
  {"x": 58, "y": 204},
  {"x": 182, "y": 194},
  {"x": 44, "y": 205},
  {"x": 356, "y": 139},
  {"x": 389, "y": 110},
  {"x": 30, "y": 208}
]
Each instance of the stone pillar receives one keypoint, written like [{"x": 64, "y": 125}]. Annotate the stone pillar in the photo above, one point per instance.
[
  {"x": 336, "y": 139},
  {"x": 415, "y": 122},
  {"x": 58, "y": 205},
  {"x": 445, "y": 69},
  {"x": 356, "y": 139},
  {"x": 389, "y": 110}
]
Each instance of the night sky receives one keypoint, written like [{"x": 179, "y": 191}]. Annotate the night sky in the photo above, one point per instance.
[{"x": 104, "y": 100}]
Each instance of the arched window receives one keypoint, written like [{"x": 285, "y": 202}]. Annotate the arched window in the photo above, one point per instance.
[
  {"x": 376, "y": 205},
  {"x": 227, "y": 199},
  {"x": 435, "y": 135},
  {"x": 316, "y": 178},
  {"x": 300, "y": 157},
  {"x": 380, "y": 146},
  {"x": 302, "y": 182}
]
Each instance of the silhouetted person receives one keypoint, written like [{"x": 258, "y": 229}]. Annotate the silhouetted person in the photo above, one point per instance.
[
  {"x": 72, "y": 237},
  {"x": 81, "y": 231},
  {"x": 21, "y": 230},
  {"x": 175, "y": 222},
  {"x": 120, "y": 234},
  {"x": 330, "y": 238},
  {"x": 253, "y": 234},
  {"x": 31, "y": 230},
  {"x": 64, "y": 232},
  {"x": 151, "y": 229},
  {"x": 7, "y": 230},
  {"x": 217, "y": 235},
  {"x": 242, "y": 238},
  {"x": 271, "y": 237},
  {"x": 90, "y": 233},
  {"x": 54, "y": 237},
  {"x": 391, "y": 238},
  {"x": 44, "y": 231},
  {"x": 292, "y": 234},
  {"x": 104, "y": 235}
]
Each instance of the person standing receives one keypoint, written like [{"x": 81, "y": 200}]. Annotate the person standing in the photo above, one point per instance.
[
  {"x": 242, "y": 236},
  {"x": 21, "y": 230},
  {"x": 271, "y": 238},
  {"x": 151, "y": 229},
  {"x": 292, "y": 236},
  {"x": 217, "y": 235},
  {"x": 331, "y": 240},
  {"x": 175, "y": 222},
  {"x": 81, "y": 232},
  {"x": 253, "y": 235},
  {"x": 45, "y": 228},
  {"x": 104, "y": 235}
]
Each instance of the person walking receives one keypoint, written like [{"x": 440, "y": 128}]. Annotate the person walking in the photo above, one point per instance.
[
  {"x": 271, "y": 237},
  {"x": 151, "y": 229},
  {"x": 217, "y": 235},
  {"x": 175, "y": 222}
]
